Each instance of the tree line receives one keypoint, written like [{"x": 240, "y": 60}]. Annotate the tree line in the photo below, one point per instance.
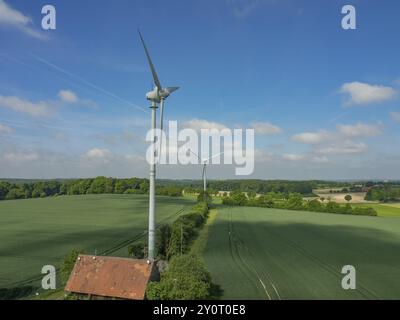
[
  {"x": 259, "y": 186},
  {"x": 384, "y": 193},
  {"x": 293, "y": 201},
  {"x": 99, "y": 185}
]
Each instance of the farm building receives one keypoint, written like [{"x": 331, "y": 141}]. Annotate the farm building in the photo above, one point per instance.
[{"x": 97, "y": 277}]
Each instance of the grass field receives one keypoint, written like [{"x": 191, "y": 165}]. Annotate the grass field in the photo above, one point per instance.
[
  {"x": 37, "y": 232},
  {"x": 383, "y": 209},
  {"x": 256, "y": 253}
]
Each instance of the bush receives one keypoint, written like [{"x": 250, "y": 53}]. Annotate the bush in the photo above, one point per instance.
[
  {"x": 137, "y": 250},
  {"x": 365, "y": 211},
  {"x": 163, "y": 238},
  {"x": 294, "y": 201},
  {"x": 204, "y": 196},
  {"x": 68, "y": 264},
  {"x": 185, "y": 279},
  {"x": 185, "y": 229}
]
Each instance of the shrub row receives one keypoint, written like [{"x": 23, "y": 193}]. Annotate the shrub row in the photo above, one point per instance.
[
  {"x": 294, "y": 201},
  {"x": 186, "y": 276}
]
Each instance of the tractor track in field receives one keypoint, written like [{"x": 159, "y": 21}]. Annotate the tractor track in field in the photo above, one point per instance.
[
  {"x": 235, "y": 242},
  {"x": 361, "y": 288},
  {"x": 108, "y": 251},
  {"x": 366, "y": 293}
]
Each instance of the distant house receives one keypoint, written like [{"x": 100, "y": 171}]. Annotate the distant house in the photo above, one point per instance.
[{"x": 97, "y": 277}]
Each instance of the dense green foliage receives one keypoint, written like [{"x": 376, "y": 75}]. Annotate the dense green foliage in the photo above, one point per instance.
[
  {"x": 257, "y": 186},
  {"x": 385, "y": 193},
  {"x": 176, "y": 238},
  {"x": 185, "y": 229},
  {"x": 186, "y": 276},
  {"x": 293, "y": 201},
  {"x": 204, "y": 196},
  {"x": 186, "y": 279},
  {"x": 99, "y": 185},
  {"x": 68, "y": 264}
]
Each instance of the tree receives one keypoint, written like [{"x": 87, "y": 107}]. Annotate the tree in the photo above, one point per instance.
[
  {"x": 186, "y": 279},
  {"x": 348, "y": 198},
  {"x": 251, "y": 194},
  {"x": 204, "y": 197},
  {"x": 4, "y": 188},
  {"x": 15, "y": 193},
  {"x": 163, "y": 237},
  {"x": 239, "y": 198},
  {"x": 68, "y": 264},
  {"x": 102, "y": 185},
  {"x": 137, "y": 250},
  {"x": 295, "y": 201}
]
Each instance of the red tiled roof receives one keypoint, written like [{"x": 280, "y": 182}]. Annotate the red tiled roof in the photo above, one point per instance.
[{"x": 110, "y": 277}]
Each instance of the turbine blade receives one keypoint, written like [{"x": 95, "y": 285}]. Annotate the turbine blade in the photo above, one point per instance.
[
  {"x": 170, "y": 89},
  {"x": 190, "y": 150},
  {"x": 153, "y": 70},
  {"x": 204, "y": 171},
  {"x": 214, "y": 156}
]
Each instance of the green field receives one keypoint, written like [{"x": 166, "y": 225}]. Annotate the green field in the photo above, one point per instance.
[
  {"x": 37, "y": 232},
  {"x": 256, "y": 253},
  {"x": 383, "y": 210}
]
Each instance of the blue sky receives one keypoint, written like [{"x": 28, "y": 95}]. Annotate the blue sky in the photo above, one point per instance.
[{"x": 324, "y": 101}]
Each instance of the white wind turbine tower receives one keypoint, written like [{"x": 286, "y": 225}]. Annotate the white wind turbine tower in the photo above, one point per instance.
[
  {"x": 204, "y": 163},
  {"x": 157, "y": 97}
]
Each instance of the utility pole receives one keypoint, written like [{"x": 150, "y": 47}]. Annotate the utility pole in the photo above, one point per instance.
[{"x": 181, "y": 238}]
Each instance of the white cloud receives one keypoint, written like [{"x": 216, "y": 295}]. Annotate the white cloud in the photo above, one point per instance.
[
  {"x": 68, "y": 96},
  {"x": 5, "y": 129},
  {"x": 346, "y": 147},
  {"x": 320, "y": 159},
  {"x": 292, "y": 157},
  {"x": 312, "y": 137},
  {"x": 363, "y": 93},
  {"x": 262, "y": 156},
  {"x": 198, "y": 124},
  {"x": 265, "y": 128},
  {"x": 17, "y": 157},
  {"x": 132, "y": 158},
  {"x": 14, "y": 18},
  {"x": 359, "y": 130},
  {"x": 395, "y": 116},
  {"x": 24, "y": 106},
  {"x": 97, "y": 153}
]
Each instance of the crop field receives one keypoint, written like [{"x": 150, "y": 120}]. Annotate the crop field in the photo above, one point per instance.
[
  {"x": 258, "y": 253},
  {"x": 37, "y": 232},
  {"x": 383, "y": 209}
]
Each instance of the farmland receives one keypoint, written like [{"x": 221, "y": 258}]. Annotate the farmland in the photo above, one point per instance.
[
  {"x": 258, "y": 253},
  {"x": 383, "y": 209},
  {"x": 36, "y": 232}
]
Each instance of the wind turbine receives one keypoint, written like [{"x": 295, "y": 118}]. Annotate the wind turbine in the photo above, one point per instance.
[
  {"x": 157, "y": 97},
  {"x": 204, "y": 163}
]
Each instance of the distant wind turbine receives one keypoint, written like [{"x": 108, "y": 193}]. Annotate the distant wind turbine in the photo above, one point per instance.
[
  {"x": 204, "y": 162},
  {"x": 157, "y": 97}
]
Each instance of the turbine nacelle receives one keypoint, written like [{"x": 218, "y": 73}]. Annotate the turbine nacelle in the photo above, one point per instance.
[{"x": 157, "y": 95}]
